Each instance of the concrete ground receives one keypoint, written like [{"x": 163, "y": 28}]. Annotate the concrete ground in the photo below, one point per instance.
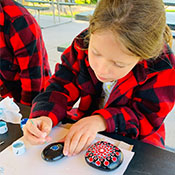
[
  {"x": 58, "y": 35},
  {"x": 63, "y": 33}
]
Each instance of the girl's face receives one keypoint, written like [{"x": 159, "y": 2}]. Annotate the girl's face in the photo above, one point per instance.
[{"x": 109, "y": 59}]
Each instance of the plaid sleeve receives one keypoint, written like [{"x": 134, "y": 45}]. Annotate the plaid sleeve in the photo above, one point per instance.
[
  {"x": 62, "y": 91},
  {"x": 146, "y": 111},
  {"x": 30, "y": 54}
]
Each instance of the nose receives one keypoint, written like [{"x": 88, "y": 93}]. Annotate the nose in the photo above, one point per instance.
[{"x": 102, "y": 68}]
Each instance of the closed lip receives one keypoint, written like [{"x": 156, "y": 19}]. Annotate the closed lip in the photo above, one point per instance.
[{"x": 101, "y": 78}]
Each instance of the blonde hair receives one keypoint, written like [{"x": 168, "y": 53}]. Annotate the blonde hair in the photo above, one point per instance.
[{"x": 140, "y": 25}]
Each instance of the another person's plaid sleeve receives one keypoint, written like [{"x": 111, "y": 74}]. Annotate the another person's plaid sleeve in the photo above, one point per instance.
[{"x": 24, "y": 55}]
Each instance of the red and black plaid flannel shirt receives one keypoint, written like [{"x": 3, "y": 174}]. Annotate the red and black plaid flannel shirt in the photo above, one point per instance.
[
  {"x": 138, "y": 103},
  {"x": 24, "y": 67}
]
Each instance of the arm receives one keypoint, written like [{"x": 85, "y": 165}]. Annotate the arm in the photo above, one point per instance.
[
  {"x": 30, "y": 55},
  {"x": 147, "y": 109},
  {"x": 62, "y": 91}
]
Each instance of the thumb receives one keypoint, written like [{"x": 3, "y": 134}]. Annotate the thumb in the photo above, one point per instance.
[
  {"x": 46, "y": 131},
  {"x": 46, "y": 125}
]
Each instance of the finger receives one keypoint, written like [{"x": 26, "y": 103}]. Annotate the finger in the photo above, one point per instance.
[
  {"x": 67, "y": 143},
  {"x": 34, "y": 129},
  {"x": 74, "y": 143},
  {"x": 32, "y": 139},
  {"x": 81, "y": 144},
  {"x": 45, "y": 128}
]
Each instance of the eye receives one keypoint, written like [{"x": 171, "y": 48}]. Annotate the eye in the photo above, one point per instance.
[
  {"x": 117, "y": 65},
  {"x": 95, "y": 53}
]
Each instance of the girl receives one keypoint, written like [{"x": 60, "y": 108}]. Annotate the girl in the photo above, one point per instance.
[{"x": 123, "y": 71}]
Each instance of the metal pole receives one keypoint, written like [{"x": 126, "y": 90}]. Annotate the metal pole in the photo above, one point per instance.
[
  {"x": 58, "y": 8},
  {"x": 53, "y": 11}
]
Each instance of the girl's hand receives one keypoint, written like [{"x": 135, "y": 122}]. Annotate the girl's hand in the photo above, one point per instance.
[
  {"x": 36, "y": 130},
  {"x": 82, "y": 133}
]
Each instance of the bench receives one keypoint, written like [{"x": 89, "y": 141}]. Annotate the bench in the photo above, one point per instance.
[
  {"x": 63, "y": 47},
  {"x": 43, "y": 2},
  {"x": 169, "y": 2},
  {"x": 38, "y": 9},
  {"x": 58, "y": 4},
  {"x": 84, "y": 16}
]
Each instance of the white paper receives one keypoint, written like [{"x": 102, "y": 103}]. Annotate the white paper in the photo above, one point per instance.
[
  {"x": 9, "y": 111},
  {"x": 31, "y": 163}
]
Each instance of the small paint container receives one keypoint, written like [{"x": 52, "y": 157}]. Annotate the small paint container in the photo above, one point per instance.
[
  {"x": 18, "y": 147},
  {"x": 3, "y": 127},
  {"x": 23, "y": 122}
]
